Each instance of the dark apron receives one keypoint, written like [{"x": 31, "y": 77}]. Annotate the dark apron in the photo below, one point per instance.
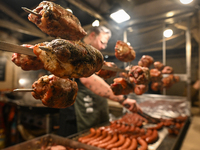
[{"x": 91, "y": 109}]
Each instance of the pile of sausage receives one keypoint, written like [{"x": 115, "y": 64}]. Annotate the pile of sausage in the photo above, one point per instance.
[{"x": 127, "y": 133}]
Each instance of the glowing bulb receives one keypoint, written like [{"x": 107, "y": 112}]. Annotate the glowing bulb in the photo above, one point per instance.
[
  {"x": 22, "y": 81},
  {"x": 168, "y": 33},
  {"x": 186, "y": 1},
  {"x": 95, "y": 23},
  {"x": 120, "y": 16}
]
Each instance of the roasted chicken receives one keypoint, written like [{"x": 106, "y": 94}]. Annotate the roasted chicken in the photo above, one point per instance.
[
  {"x": 140, "y": 74},
  {"x": 122, "y": 86},
  {"x": 167, "y": 70},
  {"x": 140, "y": 89},
  {"x": 124, "y": 52},
  {"x": 69, "y": 59},
  {"x": 27, "y": 62},
  {"x": 146, "y": 61},
  {"x": 56, "y": 21},
  {"x": 107, "y": 73},
  {"x": 155, "y": 75},
  {"x": 55, "y": 92},
  {"x": 158, "y": 65}
]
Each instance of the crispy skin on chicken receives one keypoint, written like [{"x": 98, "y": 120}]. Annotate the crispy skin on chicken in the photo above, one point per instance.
[
  {"x": 69, "y": 59},
  {"x": 140, "y": 89},
  {"x": 121, "y": 86},
  {"x": 156, "y": 86},
  {"x": 167, "y": 70},
  {"x": 57, "y": 21},
  {"x": 158, "y": 65},
  {"x": 27, "y": 62},
  {"x": 140, "y": 74},
  {"x": 55, "y": 92},
  {"x": 124, "y": 52},
  {"x": 146, "y": 61},
  {"x": 107, "y": 73},
  {"x": 155, "y": 75},
  {"x": 168, "y": 81}
]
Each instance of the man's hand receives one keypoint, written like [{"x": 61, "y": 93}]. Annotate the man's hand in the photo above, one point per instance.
[{"x": 132, "y": 105}]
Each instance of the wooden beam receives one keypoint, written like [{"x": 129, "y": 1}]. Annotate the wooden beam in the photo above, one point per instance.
[
  {"x": 19, "y": 28},
  {"x": 4, "y": 8}
]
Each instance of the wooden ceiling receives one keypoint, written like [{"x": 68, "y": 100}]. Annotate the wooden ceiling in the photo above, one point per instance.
[{"x": 143, "y": 30}]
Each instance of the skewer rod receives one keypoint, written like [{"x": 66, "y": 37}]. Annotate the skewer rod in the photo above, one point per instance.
[
  {"x": 30, "y": 11},
  {"x": 23, "y": 90}
]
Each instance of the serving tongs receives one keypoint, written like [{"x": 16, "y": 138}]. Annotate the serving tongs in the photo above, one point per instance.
[{"x": 149, "y": 118}]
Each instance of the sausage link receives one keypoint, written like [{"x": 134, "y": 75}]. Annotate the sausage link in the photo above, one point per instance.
[
  {"x": 126, "y": 144},
  {"x": 118, "y": 143},
  {"x": 102, "y": 136},
  {"x": 92, "y": 133},
  {"x": 153, "y": 137},
  {"x": 158, "y": 126},
  {"x": 143, "y": 143},
  {"x": 133, "y": 145},
  {"x": 106, "y": 139},
  {"x": 97, "y": 133},
  {"x": 113, "y": 140},
  {"x": 148, "y": 133}
]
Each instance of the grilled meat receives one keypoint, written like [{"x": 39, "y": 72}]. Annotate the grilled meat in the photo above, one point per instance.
[
  {"x": 146, "y": 61},
  {"x": 55, "y": 92},
  {"x": 107, "y": 73},
  {"x": 57, "y": 21},
  {"x": 69, "y": 59},
  {"x": 124, "y": 52},
  {"x": 140, "y": 75},
  {"x": 27, "y": 62},
  {"x": 121, "y": 86}
]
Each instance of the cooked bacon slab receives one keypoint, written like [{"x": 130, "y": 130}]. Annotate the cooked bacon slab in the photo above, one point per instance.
[
  {"x": 55, "y": 92},
  {"x": 57, "y": 21},
  {"x": 124, "y": 52},
  {"x": 69, "y": 59},
  {"x": 27, "y": 62}
]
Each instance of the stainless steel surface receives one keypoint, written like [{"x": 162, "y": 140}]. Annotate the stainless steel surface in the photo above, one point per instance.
[
  {"x": 49, "y": 140},
  {"x": 188, "y": 59}
]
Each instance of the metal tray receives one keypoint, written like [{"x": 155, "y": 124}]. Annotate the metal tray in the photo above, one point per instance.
[{"x": 48, "y": 140}]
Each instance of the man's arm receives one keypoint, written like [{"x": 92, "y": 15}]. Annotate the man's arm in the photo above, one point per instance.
[{"x": 98, "y": 86}]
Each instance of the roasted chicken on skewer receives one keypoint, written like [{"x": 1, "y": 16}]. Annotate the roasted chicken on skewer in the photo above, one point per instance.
[
  {"x": 55, "y": 92},
  {"x": 122, "y": 86},
  {"x": 27, "y": 62},
  {"x": 140, "y": 75},
  {"x": 107, "y": 73},
  {"x": 124, "y": 52},
  {"x": 146, "y": 61},
  {"x": 56, "y": 21},
  {"x": 69, "y": 59},
  {"x": 158, "y": 65}
]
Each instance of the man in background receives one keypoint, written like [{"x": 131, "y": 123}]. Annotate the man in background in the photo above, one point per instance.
[{"x": 91, "y": 107}]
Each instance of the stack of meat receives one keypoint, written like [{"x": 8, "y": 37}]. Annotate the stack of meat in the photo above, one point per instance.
[
  {"x": 141, "y": 75},
  {"x": 163, "y": 81},
  {"x": 64, "y": 58}
]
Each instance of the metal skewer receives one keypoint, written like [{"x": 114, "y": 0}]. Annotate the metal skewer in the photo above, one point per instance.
[
  {"x": 44, "y": 48},
  {"x": 30, "y": 11},
  {"x": 23, "y": 90}
]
